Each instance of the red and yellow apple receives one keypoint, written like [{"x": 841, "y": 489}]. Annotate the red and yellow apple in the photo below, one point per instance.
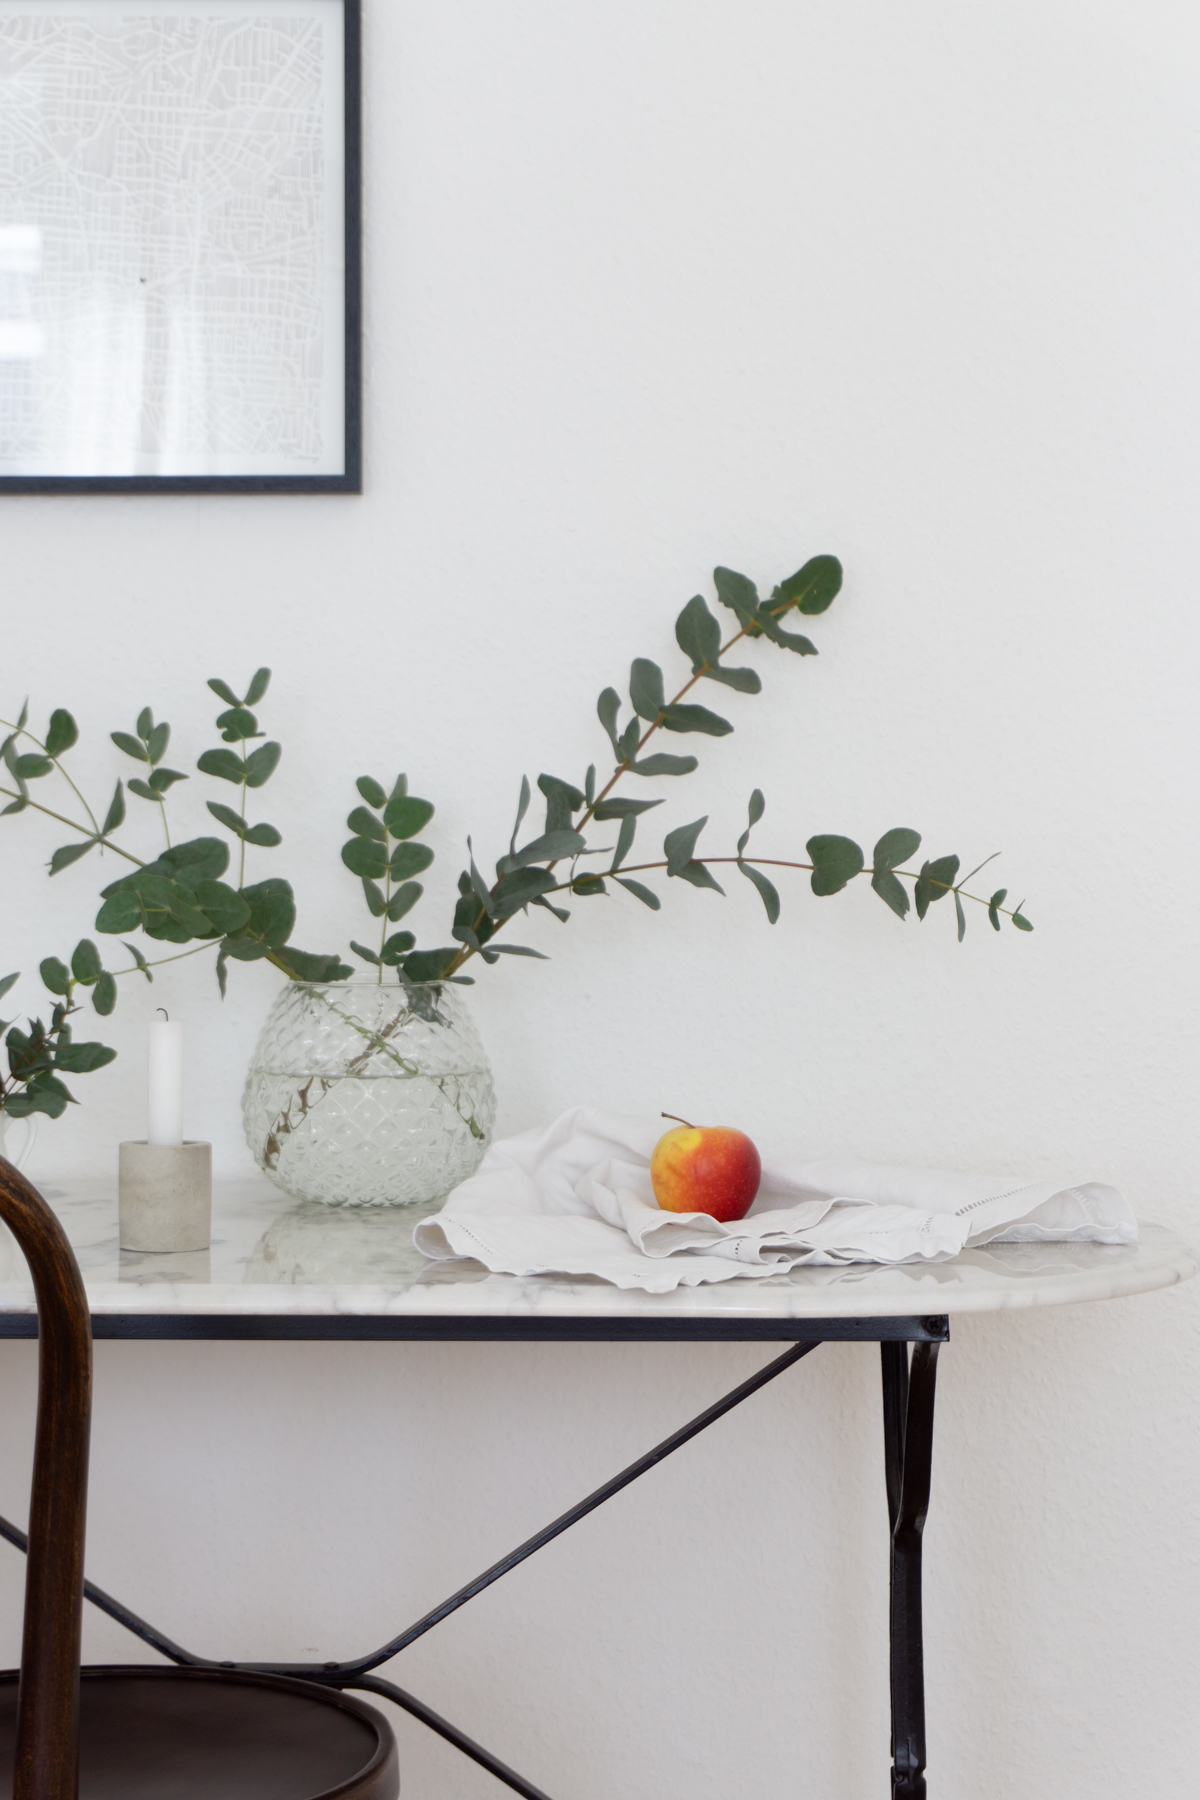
[{"x": 706, "y": 1168}]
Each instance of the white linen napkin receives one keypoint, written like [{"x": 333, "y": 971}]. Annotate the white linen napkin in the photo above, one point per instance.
[{"x": 574, "y": 1198}]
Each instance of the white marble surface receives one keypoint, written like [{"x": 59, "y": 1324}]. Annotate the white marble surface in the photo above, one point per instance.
[{"x": 272, "y": 1255}]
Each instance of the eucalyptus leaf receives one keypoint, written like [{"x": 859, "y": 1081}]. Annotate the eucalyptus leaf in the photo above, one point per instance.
[
  {"x": 162, "y": 779},
  {"x": 700, "y": 876},
  {"x": 520, "y": 887},
  {"x": 894, "y": 848},
  {"x": 235, "y": 726},
  {"x": 813, "y": 588},
  {"x": 962, "y": 917},
  {"x": 224, "y": 692},
  {"x": 523, "y": 808},
  {"x": 364, "y": 857},
  {"x": 157, "y": 741},
  {"x": 265, "y": 837},
  {"x": 1020, "y": 921},
  {"x": 399, "y": 787},
  {"x": 115, "y": 815},
  {"x": 145, "y": 723},
  {"x": 221, "y": 763},
  {"x": 373, "y": 894},
  {"x": 69, "y": 853},
  {"x": 941, "y": 876},
  {"x": 261, "y": 764},
  {"x": 259, "y": 684},
  {"x": 623, "y": 809},
  {"x": 372, "y": 792},
  {"x": 836, "y": 860},
  {"x": 738, "y": 593},
  {"x": 405, "y": 816},
  {"x": 994, "y": 904},
  {"x": 55, "y": 975},
  {"x": 646, "y": 895},
  {"x": 662, "y": 764},
  {"x": 227, "y": 817},
  {"x": 403, "y": 900},
  {"x": 7, "y": 982},
  {"x": 120, "y": 912},
  {"x": 548, "y": 848},
  {"x": 140, "y": 960},
  {"x": 646, "y": 688},
  {"x": 307, "y": 965},
  {"x": 608, "y": 707},
  {"x": 63, "y": 732},
  {"x": 891, "y": 891},
  {"x": 562, "y": 800},
  {"x": 519, "y": 950},
  {"x": 679, "y": 844},
  {"x": 698, "y": 634},
  {"x": 770, "y": 896},
  {"x": 585, "y": 886},
  {"x": 85, "y": 962},
  {"x": 272, "y": 910},
  {"x": 367, "y": 825},
  {"x": 197, "y": 858},
  {"x": 408, "y": 860},
  {"x": 32, "y": 767},
  {"x": 397, "y": 946},
  {"x": 228, "y": 910},
  {"x": 367, "y": 955},
  {"x": 745, "y": 681},
  {"x": 695, "y": 718},
  {"x": 428, "y": 965},
  {"x": 83, "y": 1059},
  {"x": 130, "y": 745},
  {"x": 922, "y": 892},
  {"x": 142, "y": 789},
  {"x": 629, "y": 740},
  {"x": 104, "y": 994},
  {"x": 624, "y": 841}
]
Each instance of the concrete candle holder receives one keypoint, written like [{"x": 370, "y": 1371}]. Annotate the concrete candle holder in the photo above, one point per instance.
[{"x": 165, "y": 1196}]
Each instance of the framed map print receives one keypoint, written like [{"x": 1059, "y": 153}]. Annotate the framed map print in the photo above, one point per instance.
[{"x": 179, "y": 246}]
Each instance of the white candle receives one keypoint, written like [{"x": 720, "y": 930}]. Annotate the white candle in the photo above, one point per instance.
[{"x": 166, "y": 1082}]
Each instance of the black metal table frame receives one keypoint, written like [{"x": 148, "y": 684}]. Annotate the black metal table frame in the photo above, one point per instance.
[{"x": 909, "y": 1377}]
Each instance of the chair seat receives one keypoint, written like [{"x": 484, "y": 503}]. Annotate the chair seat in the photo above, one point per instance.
[{"x": 216, "y": 1734}]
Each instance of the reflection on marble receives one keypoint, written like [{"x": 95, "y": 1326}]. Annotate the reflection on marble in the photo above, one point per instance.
[{"x": 271, "y": 1254}]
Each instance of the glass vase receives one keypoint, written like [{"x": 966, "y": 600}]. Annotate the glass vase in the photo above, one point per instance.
[{"x": 363, "y": 1093}]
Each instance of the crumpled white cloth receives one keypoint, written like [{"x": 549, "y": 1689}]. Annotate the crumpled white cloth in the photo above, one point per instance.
[{"x": 574, "y": 1198}]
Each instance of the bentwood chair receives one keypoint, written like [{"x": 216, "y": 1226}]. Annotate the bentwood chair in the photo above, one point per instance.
[{"x": 141, "y": 1733}]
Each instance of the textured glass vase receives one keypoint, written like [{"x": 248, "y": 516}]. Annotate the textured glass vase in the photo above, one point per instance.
[{"x": 361, "y": 1094}]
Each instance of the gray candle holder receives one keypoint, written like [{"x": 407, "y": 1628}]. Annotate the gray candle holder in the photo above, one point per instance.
[{"x": 165, "y": 1196}]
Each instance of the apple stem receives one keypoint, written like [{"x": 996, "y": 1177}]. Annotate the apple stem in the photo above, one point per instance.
[{"x": 679, "y": 1121}]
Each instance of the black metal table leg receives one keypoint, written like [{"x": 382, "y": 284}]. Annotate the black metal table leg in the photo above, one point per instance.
[{"x": 908, "y": 1394}]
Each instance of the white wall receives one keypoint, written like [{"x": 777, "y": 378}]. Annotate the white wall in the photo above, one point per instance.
[{"x": 652, "y": 285}]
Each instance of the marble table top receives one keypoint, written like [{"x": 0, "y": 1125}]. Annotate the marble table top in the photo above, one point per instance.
[{"x": 274, "y": 1256}]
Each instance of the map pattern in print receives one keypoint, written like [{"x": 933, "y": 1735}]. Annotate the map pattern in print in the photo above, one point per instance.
[{"x": 164, "y": 292}]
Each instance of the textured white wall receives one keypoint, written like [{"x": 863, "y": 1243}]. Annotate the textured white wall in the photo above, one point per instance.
[{"x": 653, "y": 285}]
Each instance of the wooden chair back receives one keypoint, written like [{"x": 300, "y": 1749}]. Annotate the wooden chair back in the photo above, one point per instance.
[{"x": 47, "y": 1754}]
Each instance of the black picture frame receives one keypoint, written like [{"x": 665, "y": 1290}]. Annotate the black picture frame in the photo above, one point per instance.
[{"x": 349, "y": 481}]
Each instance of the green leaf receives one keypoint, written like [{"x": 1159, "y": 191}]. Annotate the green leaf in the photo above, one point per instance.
[
  {"x": 145, "y": 723},
  {"x": 699, "y": 876},
  {"x": 562, "y": 800},
  {"x": 140, "y": 960},
  {"x": 143, "y": 790},
  {"x": 272, "y": 910},
  {"x": 608, "y": 706},
  {"x": 264, "y": 836},
  {"x": 695, "y": 718},
  {"x": 397, "y": 947},
  {"x": 585, "y": 886},
  {"x": 962, "y": 917},
  {"x": 679, "y": 844},
  {"x": 83, "y": 1059},
  {"x": 223, "y": 690},
  {"x": 32, "y": 767},
  {"x": 624, "y": 841},
  {"x": 23, "y": 720},
  {"x": 85, "y": 963},
  {"x": 227, "y": 817},
  {"x": 408, "y": 860},
  {"x": 39, "y": 1099},
  {"x": 518, "y": 950},
  {"x": 813, "y": 588},
  {"x": 258, "y": 686},
  {"x": 157, "y": 741},
  {"x": 894, "y": 848},
  {"x": 836, "y": 860},
  {"x": 226, "y": 908},
  {"x": 104, "y": 994},
  {"x": 403, "y": 900},
  {"x": 236, "y": 725},
  {"x": 62, "y": 734},
  {"x": 373, "y": 895},
  {"x": 698, "y": 634},
  {"x": 371, "y": 792},
  {"x": 922, "y": 892},
  {"x": 746, "y": 681},
  {"x": 520, "y": 887},
  {"x": 162, "y": 779},
  {"x": 560, "y": 912},
  {"x": 197, "y": 858},
  {"x": 120, "y": 912},
  {"x": 367, "y": 955},
  {"x": 770, "y": 897},
  {"x": 787, "y": 640},
  {"x": 1020, "y": 921},
  {"x": 522, "y": 809},
  {"x": 222, "y": 970},
  {"x": 14, "y": 806},
  {"x": 309, "y": 966},
  {"x": 116, "y": 812},
  {"x": 400, "y": 787},
  {"x": 890, "y": 891},
  {"x": 362, "y": 856},
  {"x": 646, "y": 895},
  {"x": 623, "y": 809},
  {"x": 664, "y": 765},
  {"x": 129, "y": 745},
  {"x": 646, "y": 688},
  {"x": 261, "y": 764},
  {"x": 405, "y": 816},
  {"x": 222, "y": 763},
  {"x": 428, "y": 965},
  {"x": 548, "y": 848},
  {"x": 367, "y": 825},
  {"x": 55, "y": 975},
  {"x": 69, "y": 853},
  {"x": 629, "y": 739},
  {"x": 7, "y": 982},
  {"x": 941, "y": 876},
  {"x": 242, "y": 949},
  {"x": 738, "y": 593},
  {"x": 994, "y": 904}
]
